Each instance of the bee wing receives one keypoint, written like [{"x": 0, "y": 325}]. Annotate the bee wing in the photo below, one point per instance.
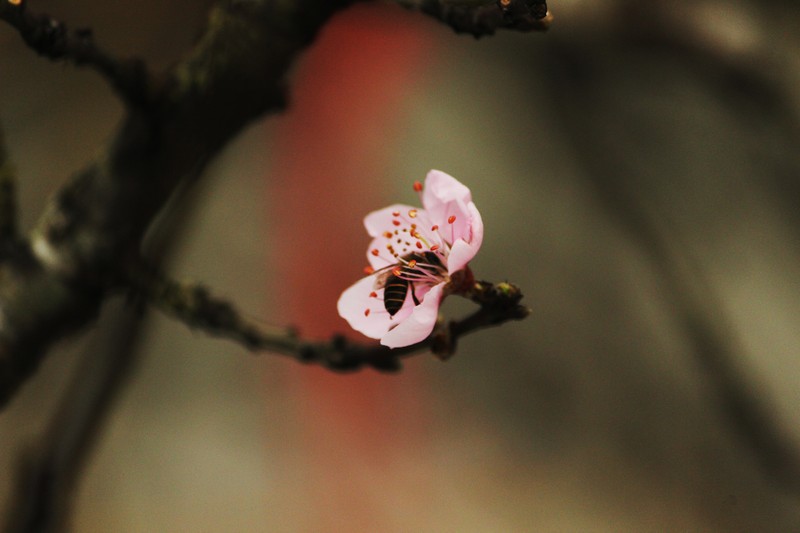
[{"x": 382, "y": 276}]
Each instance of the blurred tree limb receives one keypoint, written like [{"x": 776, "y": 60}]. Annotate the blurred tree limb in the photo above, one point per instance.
[
  {"x": 53, "y": 282},
  {"x": 8, "y": 198}
]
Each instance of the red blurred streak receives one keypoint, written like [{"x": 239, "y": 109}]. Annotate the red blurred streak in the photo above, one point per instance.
[{"x": 346, "y": 103}]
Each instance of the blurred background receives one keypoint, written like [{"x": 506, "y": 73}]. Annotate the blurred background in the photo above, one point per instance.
[{"x": 637, "y": 169}]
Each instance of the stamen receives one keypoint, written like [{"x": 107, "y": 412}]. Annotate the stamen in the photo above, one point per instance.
[
  {"x": 396, "y": 271},
  {"x": 434, "y": 247},
  {"x": 435, "y": 227},
  {"x": 373, "y": 294},
  {"x": 368, "y": 270},
  {"x": 419, "y": 245},
  {"x": 366, "y": 312},
  {"x": 387, "y": 234},
  {"x": 417, "y": 186},
  {"x": 374, "y": 251},
  {"x": 395, "y": 213},
  {"x": 451, "y": 219},
  {"x": 412, "y": 213},
  {"x": 412, "y": 263},
  {"x": 396, "y": 222}
]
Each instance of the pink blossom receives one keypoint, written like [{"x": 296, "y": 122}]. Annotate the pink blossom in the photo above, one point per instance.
[{"x": 416, "y": 257}]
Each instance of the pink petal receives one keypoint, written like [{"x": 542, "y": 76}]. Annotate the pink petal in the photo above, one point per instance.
[
  {"x": 419, "y": 324},
  {"x": 356, "y": 300},
  {"x": 381, "y": 220},
  {"x": 442, "y": 188},
  {"x": 446, "y": 198},
  {"x": 465, "y": 247}
]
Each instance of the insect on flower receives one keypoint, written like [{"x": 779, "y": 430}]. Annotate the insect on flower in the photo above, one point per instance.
[
  {"x": 416, "y": 257},
  {"x": 397, "y": 279}
]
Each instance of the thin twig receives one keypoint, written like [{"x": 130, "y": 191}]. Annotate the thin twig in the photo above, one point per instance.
[
  {"x": 481, "y": 17},
  {"x": 194, "y": 305},
  {"x": 51, "y": 38}
]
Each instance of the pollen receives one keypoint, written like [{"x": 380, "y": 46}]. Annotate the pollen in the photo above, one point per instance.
[
  {"x": 451, "y": 219},
  {"x": 412, "y": 263},
  {"x": 374, "y": 251},
  {"x": 387, "y": 234},
  {"x": 412, "y": 213},
  {"x": 417, "y": 186},
  {"x": 396, "y": 271}
]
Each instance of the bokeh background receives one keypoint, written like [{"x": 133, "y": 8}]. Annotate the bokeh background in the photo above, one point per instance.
[{"x": 638, "y": 172}]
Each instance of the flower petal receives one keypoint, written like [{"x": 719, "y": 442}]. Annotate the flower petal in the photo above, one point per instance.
[
  {"x": 356, "y": 300},
  {"x": 464, "y": 249},
  {"x": 382, "y": 220},
  {"x": 442, "y": 188},
  {"x": 419, "y": 324},
  {"x": 446, "y": 200}
]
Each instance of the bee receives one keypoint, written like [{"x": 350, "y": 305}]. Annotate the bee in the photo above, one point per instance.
[{"x": 396, "y": 279}]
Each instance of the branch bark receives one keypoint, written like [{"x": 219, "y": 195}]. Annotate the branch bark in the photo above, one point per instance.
[{"x": 54, "y": 282}]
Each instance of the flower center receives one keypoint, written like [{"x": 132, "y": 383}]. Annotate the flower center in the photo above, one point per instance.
[{"x": 413, "y": 233}]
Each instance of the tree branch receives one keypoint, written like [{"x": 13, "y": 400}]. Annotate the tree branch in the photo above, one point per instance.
[
  {"x": 481, "y": 17},
  {"x": 8, "y": 198},
  {"x": 54, "y": 283},
  {"x": 47, "y": 475},
  {"x": 51, "y": 38},
  {"x": 194, "y": 305}
]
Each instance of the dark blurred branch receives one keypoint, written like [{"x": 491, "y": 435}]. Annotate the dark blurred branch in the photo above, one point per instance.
[
  {"x": 482, "y": 17},
  {"x": 8, "y": 197},
  {"x": 698, "y": 312},
  {"x": 194, "y": 305},
  {"x": 51, "y": 38},
  {"x": 53, "y": 284},
  {"x": 48, "y": 474}
]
